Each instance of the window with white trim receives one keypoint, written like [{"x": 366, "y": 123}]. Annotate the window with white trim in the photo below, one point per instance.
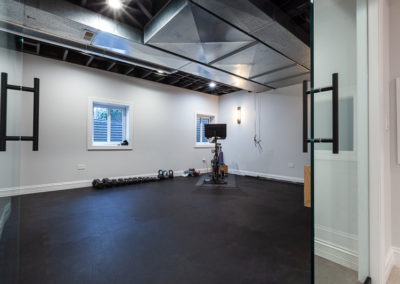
[
  {"x": 109, "y": 125},
  {"x": 201, "y": 121}
]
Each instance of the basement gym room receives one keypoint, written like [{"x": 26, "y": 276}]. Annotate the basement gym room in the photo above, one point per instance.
[{"x": 156, "y": 141}]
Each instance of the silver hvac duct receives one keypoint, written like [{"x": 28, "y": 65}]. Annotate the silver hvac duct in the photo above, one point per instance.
[
  {"x": 183, "y": 36},
  {"x": 66, "y": 24},
  {"x": 233, "y": 36}
]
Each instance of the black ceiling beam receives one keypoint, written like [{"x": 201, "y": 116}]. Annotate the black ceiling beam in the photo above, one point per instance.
[
  {"x": 128, "y": 12},
  {"x": 89, "y": 61},
  {"x": 111, "y": 66},
  {"x": 146, "y": 74},
  {"x": 160, "y": 79},
  {"x": 129, "y": 70},
  {"x": 176, "y": 80},
  {"x": 293, "y": 4},
  {"x": 144, "y": 9},
  {"x": 188, "y": 84},
  {"x": 65, "y": 54},
  {"x": 188, "y": 81},
  {"x": 299, "y": 11},
  {"x": 198, "y": 87},
  {"x": 278, "y": 14}
]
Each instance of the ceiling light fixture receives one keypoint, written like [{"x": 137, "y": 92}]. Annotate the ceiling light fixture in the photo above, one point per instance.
[
  {"x": 115, "y": 4},
  {"x": 212, "y": 85}
]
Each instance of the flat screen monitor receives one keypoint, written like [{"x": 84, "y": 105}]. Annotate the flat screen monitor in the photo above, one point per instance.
[{"x": 215, "y": 130}]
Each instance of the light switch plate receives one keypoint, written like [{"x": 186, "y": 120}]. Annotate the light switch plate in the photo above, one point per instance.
[{"x": 81, "y": 167}]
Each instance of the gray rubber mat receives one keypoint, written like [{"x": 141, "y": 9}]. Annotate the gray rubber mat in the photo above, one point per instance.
[{"x": 230, "y": 179}]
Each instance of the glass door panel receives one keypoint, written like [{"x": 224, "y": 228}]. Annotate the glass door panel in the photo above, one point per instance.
[
  {"x": 340, "y": 173},
  {"x": 11, "y": 64}
]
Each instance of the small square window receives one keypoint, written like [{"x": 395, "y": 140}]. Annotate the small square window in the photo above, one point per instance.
[
  {"x": 201, "y": 121},
  {"x": 109, "y": 125}
]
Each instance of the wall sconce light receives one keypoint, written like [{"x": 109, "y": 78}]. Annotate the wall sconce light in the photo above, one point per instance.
[{"x": 239, "y": 115}]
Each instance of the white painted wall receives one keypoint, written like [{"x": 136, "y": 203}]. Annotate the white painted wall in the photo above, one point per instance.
[
  {"x": 164, "y": 127},
  {"x": 394, "y": 72},
  {"x": 280, "y": 125}
]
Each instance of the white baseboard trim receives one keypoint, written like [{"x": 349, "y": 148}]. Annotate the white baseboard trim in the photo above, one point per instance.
[
  {"x": 336, "y": 254},
  {"x": 336, "y": 246},
  {"x": 268, "y": 176},
  {"x": 29, "y": 189},
  {"x": 339, "y": 238},
  {"x": 392, "y": 260},
  {"x": 4, "y": 216}
]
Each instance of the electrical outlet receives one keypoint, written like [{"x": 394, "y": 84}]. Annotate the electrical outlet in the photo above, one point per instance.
[
  {"x": 291, "y": 165},
  {"x": 81, "y": 167},
  {"x": 204, "y": 160}
]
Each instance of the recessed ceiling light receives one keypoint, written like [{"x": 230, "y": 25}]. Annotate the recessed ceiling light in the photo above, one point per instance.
[
  {"x": 115, "y": 4},
  {"x": 212, "y": 84}
]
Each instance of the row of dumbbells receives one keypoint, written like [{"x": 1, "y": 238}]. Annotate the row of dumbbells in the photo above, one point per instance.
[
  {"x": 108, "y": 183},
  {"x": 164, "y": 174}
]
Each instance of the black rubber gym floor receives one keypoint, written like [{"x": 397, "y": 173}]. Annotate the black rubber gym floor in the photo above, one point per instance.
[{"x": 162, "y": 232}]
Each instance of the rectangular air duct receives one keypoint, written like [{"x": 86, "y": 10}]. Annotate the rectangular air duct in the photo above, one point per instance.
[{"x": 187, "y": 28}]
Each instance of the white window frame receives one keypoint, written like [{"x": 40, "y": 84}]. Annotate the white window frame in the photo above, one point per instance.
[
  {"x": 128, "y": 125},
  {"x": 213, "y": 119}
]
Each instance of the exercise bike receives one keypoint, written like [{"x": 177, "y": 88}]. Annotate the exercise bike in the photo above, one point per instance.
[{"x": 214, "y": 132}]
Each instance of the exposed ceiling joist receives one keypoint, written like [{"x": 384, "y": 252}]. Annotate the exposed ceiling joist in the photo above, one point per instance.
[
  {"x": 129, "y": 70},
  {"x": 111, "y": 66},
  {"x": 160, "y": 79},
  {"x": 146, "y": 74},
  {"x": 198, "y": 88},
  {"x": 143, "y": 9},
  {"x": 89, "y": 61},
  {"x": 188, "y": 84},
  {"x": 173, "y": 82},
  {"x": 179, "y": 79},
  {"x": 65, "y": 54}
]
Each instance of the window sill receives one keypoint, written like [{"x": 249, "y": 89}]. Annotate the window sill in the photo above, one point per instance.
[
  {"x": 110, "y": 148},
  {"x": 209, "y": 145}
]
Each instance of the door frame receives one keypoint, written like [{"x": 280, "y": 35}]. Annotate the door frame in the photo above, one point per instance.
[{"x": 377, "y": 114}]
